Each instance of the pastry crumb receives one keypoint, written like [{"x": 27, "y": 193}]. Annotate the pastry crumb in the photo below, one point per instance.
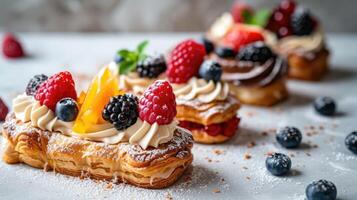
[
  {"x": 251, "y": 144},
  {"x": 218, "y": 151},
  {"x": 109, "y": 185},
  {"x": 216, "y": 190},
  {"x": 247, "y": 156}
]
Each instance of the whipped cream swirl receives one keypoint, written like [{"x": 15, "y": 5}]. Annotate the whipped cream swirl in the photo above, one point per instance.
[
  {"x": 302, "y": 44},
  {"x": 141, "y": 133},
  {"x": 132, "y": 82},
  {"x": 202, "y": 90},
  {"x": 27, "y": 109}
]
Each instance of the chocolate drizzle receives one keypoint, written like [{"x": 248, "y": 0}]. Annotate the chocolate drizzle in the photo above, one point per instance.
[{"x": 251, "y": 74}]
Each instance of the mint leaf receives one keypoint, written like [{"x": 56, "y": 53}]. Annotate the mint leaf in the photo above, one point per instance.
[
  {"x": 131, "y": 58},
  {"x": 247, "y": 16},
  {"x": 261, "y": 17},
  {"x": 141, "y": 47}
]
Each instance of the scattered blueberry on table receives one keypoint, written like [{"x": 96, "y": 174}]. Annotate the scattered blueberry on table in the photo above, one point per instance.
[
  {"x": 351, "y": 142},
  {"x": 278, "y": 164},
  {"x": 289, "y": 137},
  {"x": 321, "y": 190},
  {"x": 67, "y": 109},
  {"x": 325, "y": 106}
]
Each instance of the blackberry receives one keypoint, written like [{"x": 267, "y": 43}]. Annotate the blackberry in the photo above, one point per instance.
[
  {"x": 34, "y": 83},
  {"x": 321, "y": 190},
  {"x": 289, "y": 137},
  {"x": 302, "y": 22},
  {"x": 121, "y": 111},
  {"x": 225, "y": 52},
  {"x": 151, "y": 67},
  {"x": 256, "y": 52},
  {"x": 209, "y": 46}
]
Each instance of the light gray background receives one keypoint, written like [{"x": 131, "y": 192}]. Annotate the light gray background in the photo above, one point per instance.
[{"x": 148, "y": 15}]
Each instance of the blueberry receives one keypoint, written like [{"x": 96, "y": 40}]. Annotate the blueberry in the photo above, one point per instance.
[
  {"x": 210, "y": 70},
  {"x": 289, "y": 137},
  {"x": 209, "y": 46},
  {"x": 278, "y": 164},
  {"x": 118, "y": 59},
  {"x": 351, "y": 142},
  {"x": 255, "y": 52},
  {"x": 325, "y": 106},
  {"x": 66, "y": 109},
  {"x": 321, "y": 190},
  {"x": 225, "y": 52}
]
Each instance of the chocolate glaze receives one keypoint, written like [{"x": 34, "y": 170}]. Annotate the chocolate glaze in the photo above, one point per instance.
[{"x": 252, "y": 74}]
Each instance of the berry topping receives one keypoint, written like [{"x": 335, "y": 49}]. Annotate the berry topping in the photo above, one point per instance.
[
  {"x": 213, "y": 129},
  {"x": 55, "y": 88},
  {"x": 118, "y": 59},
  {"x": 121, "y": 111},
  {"x": 240, "y": 10},
  {"x": 240, "y": 36},
  {"x": 158, "y": 104},
  {"x": 3, "y": 110},
  {"x": 225, "y": 52},
  {"x": 302, "y": 22},
  {"x": 210, "y": 70},
  {"x": 289, "y": 137},
  {"x": 185, "y": 61},
  {"x": 151, "y": 67},
  {"x": 209, "y": 46},
  {"x": 67, "y": 109},
  {"x": 321, "y": 190},
  {"x": 278, "y": 164},
  {"x": 34, "y": 83},
  {"x": 11, "y": 47},
  {"x": 325, "y": 106},
  {"x": 287, "y": 6},
  {"x": 351, "y": 142},
  {"x": 230, "y": 126},
  {"x": 256, "y": 52}
]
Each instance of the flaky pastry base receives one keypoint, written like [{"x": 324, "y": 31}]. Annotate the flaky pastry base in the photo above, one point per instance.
[
  {"x": 308, "y": 69},
  {"x": 151, "y": 168},
  {"x": 203, "y": 137},
  {"x": 261, "y": 96}
]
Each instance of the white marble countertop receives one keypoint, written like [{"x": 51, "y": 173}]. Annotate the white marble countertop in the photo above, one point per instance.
[{"x": 322, "y": 156}]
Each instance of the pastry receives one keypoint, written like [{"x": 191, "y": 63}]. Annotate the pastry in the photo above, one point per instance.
[
  {"x": 301, "y": 41},
  {"x": 258, "y": 79},
  {"x": 103, "y": 134},
  {"x": 138, "y": 70},
  {"x": 204, "y": 105}
]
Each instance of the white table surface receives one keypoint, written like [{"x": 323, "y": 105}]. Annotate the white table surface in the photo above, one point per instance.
[{"x": 229, "y": 173}]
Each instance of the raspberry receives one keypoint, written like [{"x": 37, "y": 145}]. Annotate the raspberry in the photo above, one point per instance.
[
  {"x": 239, "y": 37},
  {"x": 55, "y": 88},
  {"x": 185, "y": 61},
  {"x": 3, "y": 110},
  {"x": 121, "y": 111},
  {"x": 158, "y": 104},
  {"x": 240, "y": 10},
  {"x": 11, "y": 47}
]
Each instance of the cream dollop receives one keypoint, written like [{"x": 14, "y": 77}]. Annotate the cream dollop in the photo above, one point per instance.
[
  {"x": 308, "y": 43},
  {"x": 141, "y": 133},
  {"x": 27, "y": 109},
  {"x": 202, "y": 90},
  {"x": 132, "y": 82}
]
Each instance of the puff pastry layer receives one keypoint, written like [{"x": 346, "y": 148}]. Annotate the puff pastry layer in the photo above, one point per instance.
[{"x": 151, "y": 168}]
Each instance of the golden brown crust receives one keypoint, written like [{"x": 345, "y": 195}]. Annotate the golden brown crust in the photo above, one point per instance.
[
  {"x": 202, "y": 136},
  {"x": 261, "y": 96},
  {"x": 301, "y": 67},
  {"x": 207, "y": 113},
  {"x": 151, "y": 168}
]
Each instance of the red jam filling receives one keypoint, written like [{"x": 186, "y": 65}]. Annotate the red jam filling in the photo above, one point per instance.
[{"x": 227, "y": 128}]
